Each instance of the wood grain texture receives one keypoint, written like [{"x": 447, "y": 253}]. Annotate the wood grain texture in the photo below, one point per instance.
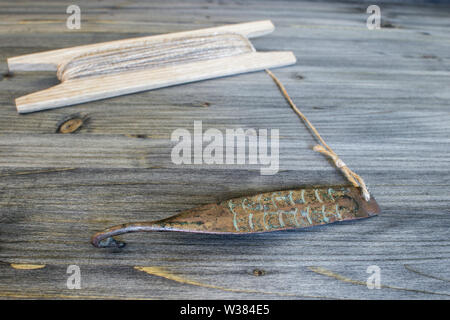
[
  {"x": 379, "y": 98},
  {"x": 49, "y": 60},
  {"x": 93, "y": 88}
]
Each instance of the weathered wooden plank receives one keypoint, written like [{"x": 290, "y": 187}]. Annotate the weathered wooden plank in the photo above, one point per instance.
[
  {"x": 380, "y": 98},
  {"x": 56, "y": 232},
  {"x": 163, "y": 110}
]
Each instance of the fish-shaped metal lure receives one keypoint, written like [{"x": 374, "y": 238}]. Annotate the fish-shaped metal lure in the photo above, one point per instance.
[{"x": 271, "y": 211}]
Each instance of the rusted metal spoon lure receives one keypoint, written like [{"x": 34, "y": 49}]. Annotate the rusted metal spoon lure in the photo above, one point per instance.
[{"x": 272, "y": 211}]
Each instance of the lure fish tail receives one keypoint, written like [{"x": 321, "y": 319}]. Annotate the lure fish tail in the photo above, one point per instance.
[{"x": 272, "y": 211}]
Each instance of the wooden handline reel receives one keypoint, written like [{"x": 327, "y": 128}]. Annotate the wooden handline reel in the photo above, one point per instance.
[{"x": 109, "y": 69}]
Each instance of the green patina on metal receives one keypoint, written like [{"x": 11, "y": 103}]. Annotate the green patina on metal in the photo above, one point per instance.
[{"x": 271, "y": 211}]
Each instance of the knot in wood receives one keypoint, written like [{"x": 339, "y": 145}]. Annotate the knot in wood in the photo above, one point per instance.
[
  {"x": 258, "y": 272},
  {"x": 70, "y": 124}
]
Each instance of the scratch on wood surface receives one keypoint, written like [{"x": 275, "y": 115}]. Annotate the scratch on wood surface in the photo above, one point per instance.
[
  {"x": 25, "y": 266},
  {"x": 164, "y": 273},
  {"x": 41, "y": 295},
  {"x": 40, "y": 21},
  {"x": 311, "y": 26},
  {"x": 35, "y": 172},
  {"x": 423, "y": 274},
  {"x": 106, "y": 184},
  {"x": 331, "y": 274}
]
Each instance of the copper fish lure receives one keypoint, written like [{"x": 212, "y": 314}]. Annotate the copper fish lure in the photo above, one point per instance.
[{"x": 271, "y": 211}]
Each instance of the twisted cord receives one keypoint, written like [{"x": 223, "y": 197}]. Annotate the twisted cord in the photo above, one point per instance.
[{"x": 323, "y": 147}]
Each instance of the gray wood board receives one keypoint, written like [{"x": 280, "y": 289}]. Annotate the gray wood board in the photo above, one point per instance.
[{"x": 380, "y": 98}]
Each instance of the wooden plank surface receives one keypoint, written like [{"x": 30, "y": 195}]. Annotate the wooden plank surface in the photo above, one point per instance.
[{"x": 380, "y": 98}]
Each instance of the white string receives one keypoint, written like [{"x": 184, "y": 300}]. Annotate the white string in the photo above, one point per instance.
[{"x": 154, "y": 54}]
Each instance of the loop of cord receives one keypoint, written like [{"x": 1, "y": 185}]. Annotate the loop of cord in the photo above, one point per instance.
[{"x": 323, "y": 147}]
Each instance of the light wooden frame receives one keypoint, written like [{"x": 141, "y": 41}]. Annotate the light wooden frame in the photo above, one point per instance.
[{"x": 74, "y": 91}]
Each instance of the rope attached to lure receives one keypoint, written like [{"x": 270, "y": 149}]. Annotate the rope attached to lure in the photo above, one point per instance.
[{"x": 324, "y": 148}]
